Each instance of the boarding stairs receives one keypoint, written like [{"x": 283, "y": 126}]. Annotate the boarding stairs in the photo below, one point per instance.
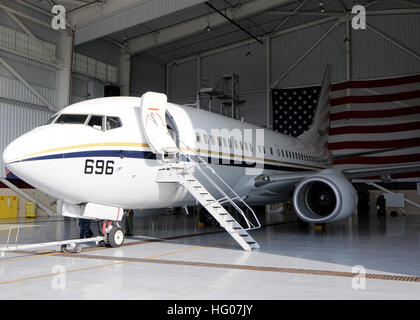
[{"x": 180, "y": 172}]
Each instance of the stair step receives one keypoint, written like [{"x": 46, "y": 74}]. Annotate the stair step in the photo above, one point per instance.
[{"x": 215, "y": 208}]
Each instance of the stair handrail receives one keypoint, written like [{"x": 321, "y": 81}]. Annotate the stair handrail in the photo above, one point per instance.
[{"x": 251, "y": 226}]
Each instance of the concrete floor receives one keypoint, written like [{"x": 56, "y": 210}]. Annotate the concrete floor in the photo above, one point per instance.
[{"x": 171, "y": 257}]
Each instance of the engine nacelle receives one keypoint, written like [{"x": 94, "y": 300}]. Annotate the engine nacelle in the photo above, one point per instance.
[{"x": 325, "y": 197}]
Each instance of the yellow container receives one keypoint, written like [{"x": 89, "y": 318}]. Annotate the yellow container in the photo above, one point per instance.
[
  {"x": 30, "y": 209},
  {"x": 8, "y": 207}
]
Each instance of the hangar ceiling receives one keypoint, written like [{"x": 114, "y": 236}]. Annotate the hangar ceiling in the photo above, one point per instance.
[{"x": 170, "y": 32}]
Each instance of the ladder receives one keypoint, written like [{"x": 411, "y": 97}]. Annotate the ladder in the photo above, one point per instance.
[{"x": 180, "y": 173}]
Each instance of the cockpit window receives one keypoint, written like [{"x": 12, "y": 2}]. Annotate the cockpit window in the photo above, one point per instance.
[
  {"x": 113, "y": 123},
  {"x": 96, "y": 122},
  {"x": 50, "y": 120},
  {"x": 72, "y": 118}
]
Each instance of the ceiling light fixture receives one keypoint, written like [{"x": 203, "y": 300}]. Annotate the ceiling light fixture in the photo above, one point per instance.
[{"x": 208, "y": 29}]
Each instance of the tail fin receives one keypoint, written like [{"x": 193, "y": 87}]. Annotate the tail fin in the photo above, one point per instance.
[{"x": 319, "y": 131}]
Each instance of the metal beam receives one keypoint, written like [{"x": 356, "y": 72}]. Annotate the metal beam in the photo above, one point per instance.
[
  {"x": 75, "y": 2},
  {"x": 339, "y": 14},
  {"x": 415, "y": 204},
  {"x": 28, "y": 17},
  {"x": 38, "y": 42},
  {"x": 26, "y": 196},
  {"x": 277, "y": 27},
  {"x": 250, "y": 41},
  {"x": 194, "y": 26},
  {"x": 268, "y": 81},
  {"x": 307, "y": 52},
  {"x": 26, "y": 84},
  {"x": 233, "y": 22},
  {"x": 99, "y": 20},
  {"x": 396, "y": 43},
  {"x": 410, "y": 3},
  {"x": 34, "y": 7},
  {"x": 348, "y": 48}
]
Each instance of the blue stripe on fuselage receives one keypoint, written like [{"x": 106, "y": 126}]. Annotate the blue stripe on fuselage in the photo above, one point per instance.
[{"x": 151, "y": 156}]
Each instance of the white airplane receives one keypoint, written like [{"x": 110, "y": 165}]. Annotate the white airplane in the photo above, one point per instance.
[{"x": 105, "y": 155}]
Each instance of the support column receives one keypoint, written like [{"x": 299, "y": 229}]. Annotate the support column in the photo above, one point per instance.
[
  {"x": 65, "y": 69},
  {"x": 268, "y": 81},
  {"x": 168, "y": 80},
  {"x": 125, "y": 72},
  {"x": 348, "y": 47}
]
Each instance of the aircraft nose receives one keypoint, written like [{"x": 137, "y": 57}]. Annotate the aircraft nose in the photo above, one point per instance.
[{"x": 11, "y": 152}]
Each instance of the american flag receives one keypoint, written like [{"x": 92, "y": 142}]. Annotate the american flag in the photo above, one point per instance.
[
  {"x": 294, "y": 109},
  {"x": 365, "y": 116}
]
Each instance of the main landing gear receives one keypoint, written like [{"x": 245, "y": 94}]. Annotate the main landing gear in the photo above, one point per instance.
[{"x": 113, "y": 234}]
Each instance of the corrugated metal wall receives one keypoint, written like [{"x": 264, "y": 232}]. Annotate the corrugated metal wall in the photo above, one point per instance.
[
  {"x": 372, "y": 57},
  {"x": 20, "y": 109},
  {"x": 15, "y": 121},
  {"x": 146, "y": 75}
]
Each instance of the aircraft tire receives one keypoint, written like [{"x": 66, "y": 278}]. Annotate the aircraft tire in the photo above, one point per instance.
[{"x": 116, "y": 237}]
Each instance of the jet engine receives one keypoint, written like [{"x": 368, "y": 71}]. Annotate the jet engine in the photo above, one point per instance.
[{"x": 325, "y": 197}]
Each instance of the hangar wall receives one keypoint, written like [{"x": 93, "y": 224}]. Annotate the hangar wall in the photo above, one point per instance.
[
  {"x": 20, "y": 109},
  {"x": 146, "y": 75},
  {"x": 372, "y": 57}
]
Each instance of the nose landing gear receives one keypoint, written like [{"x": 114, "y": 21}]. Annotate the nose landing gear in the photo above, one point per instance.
[{"x": 113, "y": 234}]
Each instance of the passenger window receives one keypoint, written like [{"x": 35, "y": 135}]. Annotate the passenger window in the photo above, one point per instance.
[
  {"x": 242, "y": 145},
  {"x": 198, "y": 137},
  {"x": 212, "y": 140},
  {"x": 259, "y": 149},
  {"x": 225, "y": 142},
  {"x": 220, "y": 141},
  {"x": 206, "y": 140},
  {"x": 271, "y": 150},
  {"x": 246, "y": 146},
  {"x": 282, "y": 153},
  {"x": 264, "y": 149},
  {"x": 96, "y": 122},
  {"x": 113, "y": 123},
  {"x": 72, "y": 118}
]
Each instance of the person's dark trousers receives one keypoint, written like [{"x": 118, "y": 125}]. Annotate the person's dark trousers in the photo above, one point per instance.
[
  {"x": 85, "y": 231},
  {"x": 129, "y": 223}
]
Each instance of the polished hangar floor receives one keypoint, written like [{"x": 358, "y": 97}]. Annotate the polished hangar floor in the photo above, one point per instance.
[{"x": 171, "y": 257}]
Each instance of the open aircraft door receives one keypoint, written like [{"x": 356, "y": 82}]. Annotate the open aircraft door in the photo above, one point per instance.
[{"x": 153, "y": 117}]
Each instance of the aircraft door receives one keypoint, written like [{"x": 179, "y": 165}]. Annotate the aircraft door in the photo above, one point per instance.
[{"x": 153, "y": 117}]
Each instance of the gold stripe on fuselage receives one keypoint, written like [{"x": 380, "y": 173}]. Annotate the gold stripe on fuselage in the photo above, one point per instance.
[{"x": 145, "y": 145}]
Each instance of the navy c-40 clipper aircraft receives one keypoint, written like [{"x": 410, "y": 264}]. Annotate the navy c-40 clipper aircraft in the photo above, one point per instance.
[{"x": 105, "y": 155}]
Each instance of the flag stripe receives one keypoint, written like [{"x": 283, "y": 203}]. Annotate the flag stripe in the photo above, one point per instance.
[
  {"x": 380, "y": 160},
  {"x": 365, "y": 116},
  {"x": 376, "y": 113},
  {"x": 374, "y": 144},
  {"x": 376, "y": 98},
  {"x": 376, "y": 106},
  {"x": 376, "y": 83},
  {"x": 376, "y": 129}
]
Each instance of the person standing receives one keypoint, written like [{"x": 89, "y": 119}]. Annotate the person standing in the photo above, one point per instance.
[
  {"x": 85, "y": 231},
  {"x": 129, "y": 222},
  {"x": 381, "y": 205}
]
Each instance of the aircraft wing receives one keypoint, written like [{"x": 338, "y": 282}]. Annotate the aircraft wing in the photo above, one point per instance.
[
  {"x": 380, "y": 170},
  {"x": 293, "y": 178}
]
